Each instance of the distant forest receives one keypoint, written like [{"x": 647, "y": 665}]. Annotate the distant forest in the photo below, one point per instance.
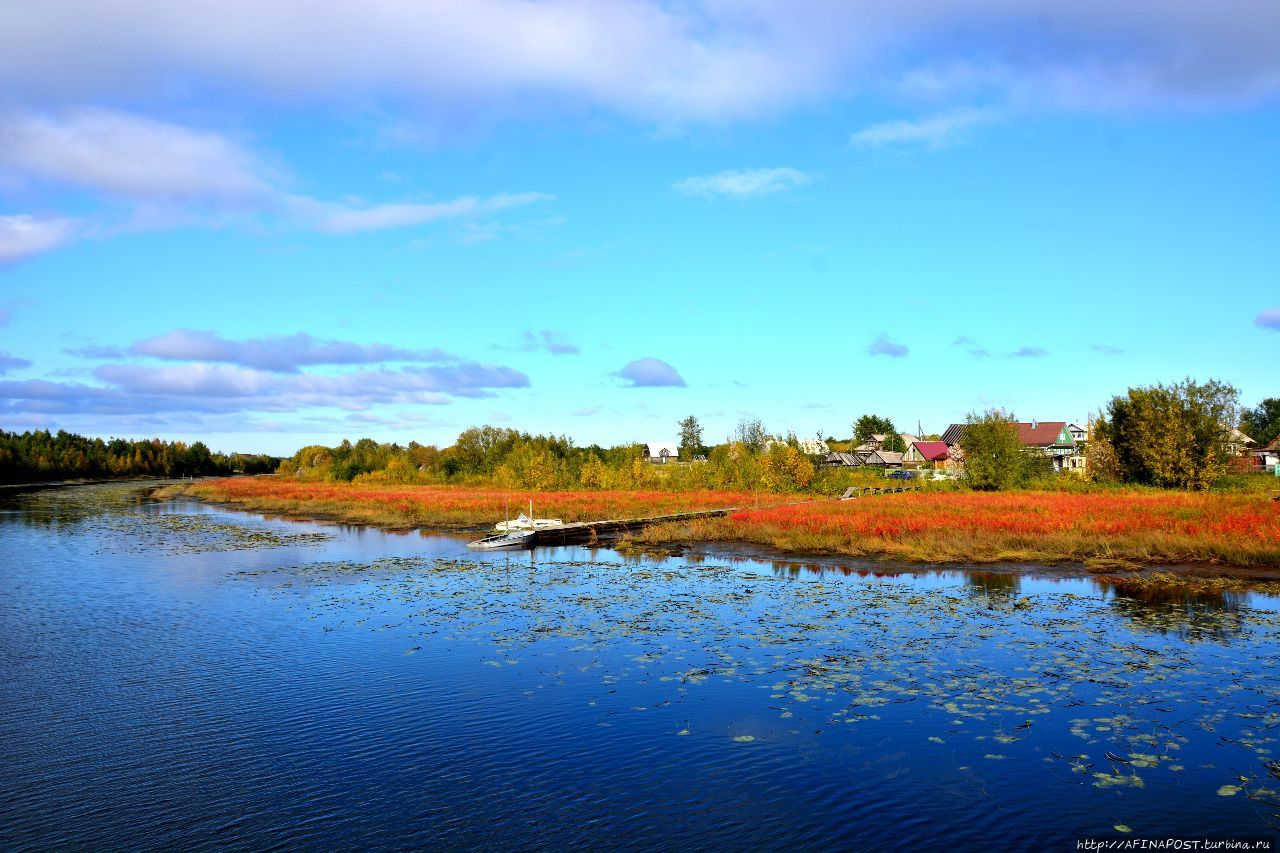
[{"x": 31, "y": 457}]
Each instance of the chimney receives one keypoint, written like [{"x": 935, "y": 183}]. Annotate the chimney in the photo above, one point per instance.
[{"x": 1035, "y": 424}]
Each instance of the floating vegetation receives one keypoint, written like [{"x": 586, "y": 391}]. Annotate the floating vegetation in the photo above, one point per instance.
[
  {"x": 134, "y": 523},
  {"x": 995, "y": 676}
]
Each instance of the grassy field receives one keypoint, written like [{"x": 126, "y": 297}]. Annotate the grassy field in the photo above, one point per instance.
[
  {"x": 1142, "y": 526},
  {"x": 450, "y": 507},
  {"x": 973, "y": 527}
]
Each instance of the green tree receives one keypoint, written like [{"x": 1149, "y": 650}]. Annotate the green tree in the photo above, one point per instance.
[
  {"x": 751, "y": 434},
  {"x": 1171, "y": 435},
  {"x": 1262, "y": 422},
  {"x": 993, "y": 453},
  {"x": 690, "y": 438},
  {"x": 868, "y": 426}
]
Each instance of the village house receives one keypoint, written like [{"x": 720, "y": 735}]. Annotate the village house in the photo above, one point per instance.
[
  {"x": 877, "y": 441},
  {"x": 807, "y": 446},
  {"x": 1052, "y": 438},
  {"x": 1238, "y": 443},
  {"x": 660, "y": 453},
  {"x": 920, "y": 452},
  {"x": 863, "y": 458}
]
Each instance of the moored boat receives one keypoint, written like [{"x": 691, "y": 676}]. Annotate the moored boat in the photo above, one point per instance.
[{"x": 504, "y": 541}]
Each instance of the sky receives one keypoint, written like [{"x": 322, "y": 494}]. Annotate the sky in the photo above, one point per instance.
[{"x": 267, "y": 225}]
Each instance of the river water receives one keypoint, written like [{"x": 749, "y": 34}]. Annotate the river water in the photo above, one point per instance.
[{"x": 180, "y": 676}]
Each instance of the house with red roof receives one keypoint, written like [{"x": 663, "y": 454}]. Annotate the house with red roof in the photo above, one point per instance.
[
  {"x": 1052, "y": 438},
  {"x": 920, "y": 452}
]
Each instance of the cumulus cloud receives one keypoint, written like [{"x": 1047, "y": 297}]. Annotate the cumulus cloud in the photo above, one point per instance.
[
  {"x": 1269, "y": 319},
  {"x": 936, "y": 131},
  {"x": 883, "y": 345},
  {"x": 279, "y": 353},
  {"x": 744, "y": 183},
  {"x": 23, "y": 236},
  {"x": 129, "y": 155},
  {"x": 1029, "y": 352},
  {"x": 651, "y": 373},
  {"x": 11, "y": 362}
]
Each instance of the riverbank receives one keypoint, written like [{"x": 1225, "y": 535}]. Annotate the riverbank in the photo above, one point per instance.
[
  {"x": 1115, "y": 532},
  {"x": 1109, "y": 531}
]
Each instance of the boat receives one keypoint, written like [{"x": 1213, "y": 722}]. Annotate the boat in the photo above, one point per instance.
[
  {"x": 523, "y": 522},
  {"x": 527, "y": 522},
  {"x": 504, "y": 541}
]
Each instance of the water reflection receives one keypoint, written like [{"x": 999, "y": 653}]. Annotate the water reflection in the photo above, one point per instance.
[{"x": 1179, "y": 612}]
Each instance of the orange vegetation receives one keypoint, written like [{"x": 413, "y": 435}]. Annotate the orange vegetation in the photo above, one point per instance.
[
  {"x": 454, "y": 507},
  {"x": 1147, "y": 526}
]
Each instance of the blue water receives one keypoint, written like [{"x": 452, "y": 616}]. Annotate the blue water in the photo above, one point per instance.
[{"x": 178, "y": 676}]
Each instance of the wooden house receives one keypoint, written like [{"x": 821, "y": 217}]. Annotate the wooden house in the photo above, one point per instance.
[{"x": 660, "y": 453}]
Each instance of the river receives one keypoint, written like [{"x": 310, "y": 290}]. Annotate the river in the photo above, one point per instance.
[{"x": 183, "y": 676}]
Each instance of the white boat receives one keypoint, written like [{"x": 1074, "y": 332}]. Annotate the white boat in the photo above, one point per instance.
[
  {"x": 504, "y": 541},
  {"x": 523, "y": 522},
  {"x": 527, "y": 522}
]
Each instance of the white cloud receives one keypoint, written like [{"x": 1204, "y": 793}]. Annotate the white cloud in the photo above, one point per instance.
[
  {"x": 128, "y": 155},
  {"x": 174, "y": 175},
  {"x": 704, "y": 60},
  {"x": 933, "y": 132},
  {"x": 744, "y": 182},
  {"x": 23, "y": 236},
  {"x": 1268, "y": 319},
  {"x": 350, "y": 219}
]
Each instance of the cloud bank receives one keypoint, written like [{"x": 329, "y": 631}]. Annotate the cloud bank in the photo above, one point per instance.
[
  {"x": 278, "y": 353},
  {"x": 701, "y": 60}
]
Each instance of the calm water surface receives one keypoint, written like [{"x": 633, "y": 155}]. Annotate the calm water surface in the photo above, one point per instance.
[{"x": 177, "y": 676}]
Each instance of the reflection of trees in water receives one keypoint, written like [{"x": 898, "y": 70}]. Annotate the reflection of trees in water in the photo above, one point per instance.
[
  {"x": 1180, "y": 612},
  {"x": 63, "y": 507},
  {"x": 997, "y": 586}
]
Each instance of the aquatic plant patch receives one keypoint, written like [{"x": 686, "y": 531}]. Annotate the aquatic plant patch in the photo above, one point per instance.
[{"x": 1114, "y": 704}]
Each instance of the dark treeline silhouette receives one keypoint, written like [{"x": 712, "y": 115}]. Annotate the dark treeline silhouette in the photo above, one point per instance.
[{"x": 29, "y": 457}]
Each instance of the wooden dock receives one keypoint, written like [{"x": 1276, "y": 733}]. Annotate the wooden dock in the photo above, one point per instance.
[{"x": 589, "y": 532}]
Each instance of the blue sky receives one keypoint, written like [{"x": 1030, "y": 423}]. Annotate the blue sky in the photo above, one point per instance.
[{"x": 269, "y": 225}]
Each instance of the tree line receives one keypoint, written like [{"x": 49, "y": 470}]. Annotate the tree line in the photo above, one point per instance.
[
  {"x": 750, "y": 459},
  {"x": 29, "y": 457}
]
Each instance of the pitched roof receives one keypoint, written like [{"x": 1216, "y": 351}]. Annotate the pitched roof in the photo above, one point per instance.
[
  {"x": 655, "y": 448},
  {"x": 932, "y": 451},
  {"x": 954, "y": 433},
  {"x": 1043, "y": 433}
]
